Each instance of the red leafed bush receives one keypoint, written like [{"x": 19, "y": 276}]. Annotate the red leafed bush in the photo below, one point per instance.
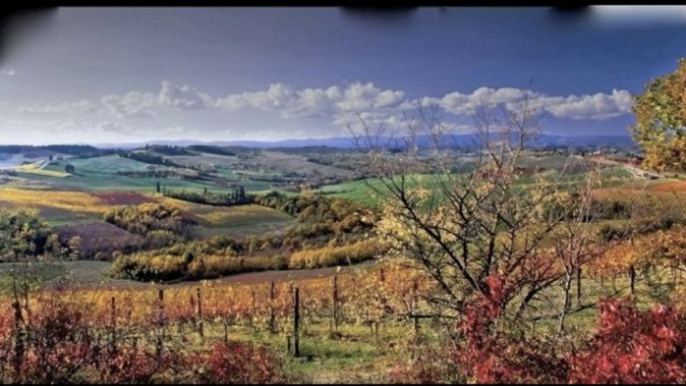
[
  {"x": 633, "y": 347},
  {"x": 239, "y": 363},
  {"x": 487, "y": 355},
  {"x": 58, "y": 346},
  {"x": 131, "y": 365}
]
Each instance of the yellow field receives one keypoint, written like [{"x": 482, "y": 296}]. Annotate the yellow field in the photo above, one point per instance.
[
  {"x": 218, "y": 216},
  {"x": 65, "y": 206},
  {"x": 34, "y": 169},
  {"x": 663, "y": 200},
  {"x": 70, "y": 201}
]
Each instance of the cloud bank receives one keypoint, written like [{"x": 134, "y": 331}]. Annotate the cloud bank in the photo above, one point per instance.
[{"x": 339, "y": 105}]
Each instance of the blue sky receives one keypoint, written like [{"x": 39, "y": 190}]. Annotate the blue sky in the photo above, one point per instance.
[{"x": 128, "y": 75}]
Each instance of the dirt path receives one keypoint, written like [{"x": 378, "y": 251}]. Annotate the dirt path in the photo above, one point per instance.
[{"x": 294, "y": 274}]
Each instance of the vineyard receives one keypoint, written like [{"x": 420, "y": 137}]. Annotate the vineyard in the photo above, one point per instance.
[
  {"x": 653, "y": 198},
  {"x": 185, "y": 320}
]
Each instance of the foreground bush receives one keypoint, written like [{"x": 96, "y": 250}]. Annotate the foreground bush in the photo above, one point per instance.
[
  {"x": 630, "y": 347},
  {"x": 53, "y": 344}
]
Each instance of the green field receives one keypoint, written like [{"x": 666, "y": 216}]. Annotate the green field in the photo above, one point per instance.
[
  {"x": 100, "y": 173},
  {"x": 37, "y": 169},
  {"x": 365, "y": 191}
]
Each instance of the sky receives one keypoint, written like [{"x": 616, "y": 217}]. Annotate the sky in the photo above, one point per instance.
[{"x": 118, "y": 75}]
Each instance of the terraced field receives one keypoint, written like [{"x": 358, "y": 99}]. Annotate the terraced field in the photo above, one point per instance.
[{"x": 62, "y": 208}]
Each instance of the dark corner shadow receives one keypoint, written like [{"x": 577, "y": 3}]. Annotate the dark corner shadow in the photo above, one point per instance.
[{"x": 16, "y": 22}]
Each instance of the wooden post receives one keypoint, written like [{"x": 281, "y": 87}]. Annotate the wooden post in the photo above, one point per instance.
[
  {"x": 113, "y": 323},
  {"x": 335, "y": 303},
  {"x": 160, "y": 322},
  {"x": 18, "y": 354},
  {"x": 254, "y": 309},
  {"x": 201, "y": 329},
  {"x": 632, "y": 277},
  {"x": 272, "y": 306},
  {"x": 296, "y": 323}
]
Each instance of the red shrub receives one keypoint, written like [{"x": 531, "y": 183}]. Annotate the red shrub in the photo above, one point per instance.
[
  {"x": 633, "y": 347},
  {"x": 236, "y": 362}
]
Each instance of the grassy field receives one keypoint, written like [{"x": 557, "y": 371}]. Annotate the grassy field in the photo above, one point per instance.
[
  {"x": 106, "y": 165},
  {"x": 365, "y": 191},
  {"x": 37, "y": 169},
  {"x": 100, "y": 173}
]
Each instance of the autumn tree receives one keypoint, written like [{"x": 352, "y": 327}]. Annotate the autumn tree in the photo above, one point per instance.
[
  {"x": 465, "y": 229},
  {"x": 661, "y": 121}
]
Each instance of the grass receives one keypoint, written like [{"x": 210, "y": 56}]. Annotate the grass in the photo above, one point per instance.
[
  {"x": 105, "y": 165},
  {"x": 100, "y": 174},
  {"x": 35, "y": 169},
  {"x": 44, "y": 274},
  {"x": 364, "y": 191}
]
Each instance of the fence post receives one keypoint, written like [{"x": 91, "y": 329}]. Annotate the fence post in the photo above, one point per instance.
[
  {"x": 18, "y": 354},
  {"x": 335, "y": 303},
  {"x": 113, "y": 317},
  {"x": 201, "y": 329},
  {"x": 296, "y": 323},
  {"x": 254, "y": 309},
  {"x": 160, "y": 322},
  {"x": 272, "y": 317}
]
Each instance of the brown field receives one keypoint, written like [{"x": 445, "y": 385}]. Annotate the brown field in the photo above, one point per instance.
[
  {"x": 123, "y": 198},
  {"x": 671, "y": 186},
  {"x": 99, "y": 236}
]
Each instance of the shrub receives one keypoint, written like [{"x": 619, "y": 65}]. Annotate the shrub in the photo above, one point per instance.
[{"x": 331, "y": 256}]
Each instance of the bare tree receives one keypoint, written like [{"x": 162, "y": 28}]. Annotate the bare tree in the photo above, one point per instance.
[
  {"x": 467, "y": 229},
  {"x": 574, "y": 241}
]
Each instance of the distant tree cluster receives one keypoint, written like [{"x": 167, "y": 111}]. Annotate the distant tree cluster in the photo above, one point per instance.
[
  {"x": 147, "y": 218},
  {"x": 168, "y": 150},
  {"x": 212, "y": 150},
  {"x": 150, "y": 158},
  {"x": 236, "y": 197},
  {"x": 322, "y": 214}
]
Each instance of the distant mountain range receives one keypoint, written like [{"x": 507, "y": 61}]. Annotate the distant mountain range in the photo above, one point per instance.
[{"x": 453, "y": 140}]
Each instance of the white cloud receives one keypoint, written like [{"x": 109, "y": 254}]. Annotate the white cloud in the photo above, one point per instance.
[
  {"x": 82, "y": 106},
  {"x": 579, "y": 107},
  {"x": 9, "y": 72},
  {"x": 130, "y": 105},
  {"x": 313, "y": 102},
  {"x": 182, "y": 97},
  {"x": 596, "y": 107}
]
